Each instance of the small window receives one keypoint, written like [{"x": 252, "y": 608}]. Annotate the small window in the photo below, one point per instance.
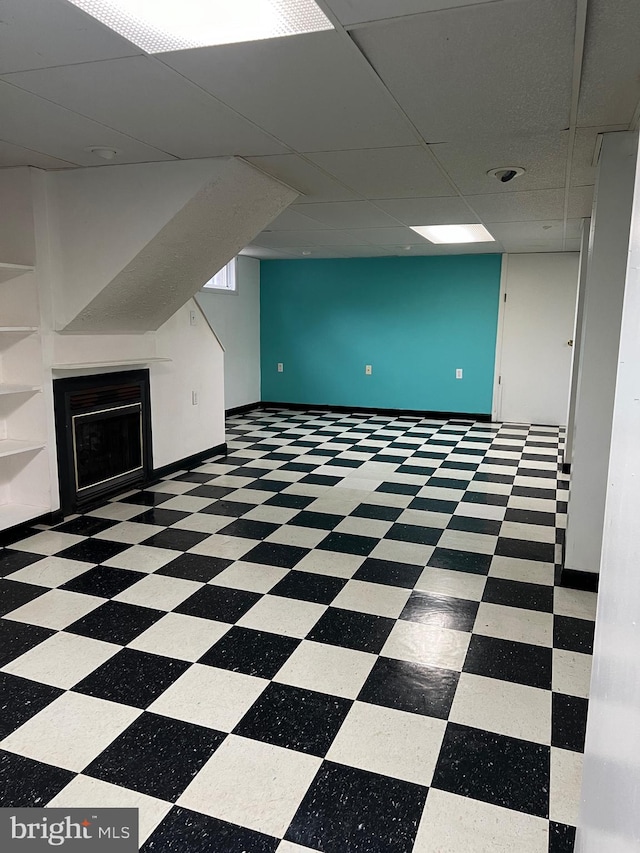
[{"x": 224, "y": 279}]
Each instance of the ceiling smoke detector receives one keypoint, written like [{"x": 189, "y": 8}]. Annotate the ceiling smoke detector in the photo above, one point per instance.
[
  {"x": 506, "y": 173},
  {"x": 103, "y": 153}
]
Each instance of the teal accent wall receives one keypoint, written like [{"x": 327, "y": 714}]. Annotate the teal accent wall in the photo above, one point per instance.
[{"x": 415, "y": 320}]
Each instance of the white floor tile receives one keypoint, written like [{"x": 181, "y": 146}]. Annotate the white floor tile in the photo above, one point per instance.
[
  {"x": 402, "y": 552},
  {"x": 427, "y": 644},
  {"x": 330, "y": 563},
  {"x": 378, "y": 599},
  {"x": 129, "y": 532},
  {"x": 420, "y": 518},
  {"x": 208, "y": 696},
  {"x": 473, "y": 510},
  {"x": 514, "y": 623},
  {"x": 327, "y": 669},
  {"x": 461, "y": 540},
  {"x": 571, "y": 673},
  {"x": 47, "y": 543},
  {"x": 202, "y": 522},
  {"x": 457, "y": 584},
  {"x": 303, "y": 537},
  {"x": 453, "y": 824},
  {"x": 142, "y": 558},
  {"x": 71, "y": 731},
  {"x": 187, "y": 503},
  {"x": 159, "y": 592},
  {"x": 252, "y": 784},
  {"x": 228, "y": 547},
  {"x": 55, "y": 609},
  {"x": 286, "y": 616},
  {"x": 529, "y": 571},
  {"x": 566, "y": 782},
  {"x": 253, "y": 577},
  {"x": 117, "y": 511},
  {"x": 576, "y": 603},
  {"x": 528, "y": 532},
  {"x": 62, "y": 660},
  {"x": 178, "y": 636},
  {"x": 50, "y": 572},
  {"x": 393, "y": 743}
]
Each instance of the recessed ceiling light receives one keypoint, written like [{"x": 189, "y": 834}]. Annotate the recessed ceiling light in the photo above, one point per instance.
[
  {"x": 158, "y": 26},
  {"x": 454, "y": 233},
  {"x": 306, "y": 252},
  {"x": 104, "y": 153}
]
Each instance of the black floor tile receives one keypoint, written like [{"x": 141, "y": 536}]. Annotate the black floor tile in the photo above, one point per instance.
[
  {"x": 352, "y": 630},
  {"x": 233, "y": 509},
  {"x": 493, "y": 768},
  {"x": 488, "y": 526},
  {"x": 175, "y": 539},
  {"x": 460, "y": 561},
  {"x": 441, "y": 611},
  {"x": 132, "y": 678},
  {"x": 14, "y": 594},
  {"x": 348, "y": 543},
  {"x": 247, "y": 529},
  {"x": 574, "y": 635},
  {"x": 115, "y": 622},
  {"x": 26, "y": 784},
  {"x": 191, "y": 832},
  {"x": 484, "y": 477},
  {"x": 20, "y": 699},
  {"x": 275, "y": 554},
  {"x": 158, "y": 756},
  {"x": 414, "y": 533},
  {"x": 305, "y": 586},
  {"x": 293, "y": 718},
  {"x": 194, "y": 567},
  {"x": 531, "y": 596},
  {"x": 486, "y": 498},
  {"x": 398, "y": 489},
  {"x": 103, "y": 581},
  {"x": 93, "y": 550},
  {"x": 568, "y": 721},
  {"x": 319, "y": 479},
  {"x": 347, "y": 810},
  {"x": 543, "y": 552},
  {"x": 562, "y": 838},
  {"x": 208, "y": 491},
  {"x": 389, "y": 573},
  {"x": 251, "y": 652},
  {"x": 382, "y": 513},
  {"x": 146, "y": 499},
  {"x": 530, "y": 516},
  {"x": 16, "y": 638},
  {"x": 267, "y": 485},
  {"x": 413, "y": 687},
  {"x": 160, "y": 517},
  {"x": 316, "y": 520},
  {"x": 433, "y": 505},
  {"x": 193, "y": 477},
  {"x": 290, "y": 501},
  {"x": 12, "y": 561},
  {"x": 219, "y": 603},
  {"x": 509, "y": 661},
  {"x": 529, "y": 492},
  {"x": 85, "y": 525},
  {"x": 448, "y": 483}
]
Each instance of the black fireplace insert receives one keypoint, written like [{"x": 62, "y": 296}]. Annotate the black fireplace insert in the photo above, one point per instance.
[{"x": 103, "y": 434}]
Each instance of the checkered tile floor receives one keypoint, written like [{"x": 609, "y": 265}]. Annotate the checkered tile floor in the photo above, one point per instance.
[{"x": 344, "y": 636}]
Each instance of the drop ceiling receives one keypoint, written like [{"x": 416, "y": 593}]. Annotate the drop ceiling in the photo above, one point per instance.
[{"x": 389, "y": 120}]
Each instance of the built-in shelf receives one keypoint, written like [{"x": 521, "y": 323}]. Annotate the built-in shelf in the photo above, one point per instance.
[
  {"x": 18, "y": 330},
  {"x": 9, "y": 271},
  {"x": 12, "y": 514},
  {"x": 13, "y": 446},
  {"x": 119, "y": 363},
  {"x": 18, "y": 389}
]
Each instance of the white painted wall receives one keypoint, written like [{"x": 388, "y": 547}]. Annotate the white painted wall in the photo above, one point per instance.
[
  {"x": 534, "y": 359},
  {"x": 236, "y": 320},
  {"x": 610, "y": 811},
  {"x": 578, "y": 331},
  {"x": 16, "y": 219},
  {"x": 604, "y": 292}
]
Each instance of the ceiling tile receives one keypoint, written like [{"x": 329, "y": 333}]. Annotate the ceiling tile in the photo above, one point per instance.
[
  {"x": 520, "y": 248},
  {"x": 292, "y": 220},
  {"x": 519, "y": 207},
  {"x": 428, "y": 211},
  {"x": 583, "y": 172},
  {"x": 267, "y": 254},
  {"x": 43, "y": 33},
  {"x": 386, "y": 236},
  {"x": 349, "y": 214},
  {"x": 303, "y": 176},
  {"x": 610, "y": 86},
  {"x": 467, "y": 162},
  {"x": 279, "y": 239},
  {"x": 386, "y": 172},
  {"x": 313, "y": 91},
  {"x": 35, "y": 123},
  {"x": 506, "y": 66},
  {"x": 539, "y": 232},
  {"x": 456, "y": 249},
  {"x": 14, "y": 155},
  {"x": 344, "y": 252},
  {"x": 360, "y": 11},
  {"x": 580, "y": 202},
  {"x": 143, "y": 98}
]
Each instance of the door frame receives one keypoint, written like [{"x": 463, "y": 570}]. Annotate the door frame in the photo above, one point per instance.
[{"x": 496, "y": 405}]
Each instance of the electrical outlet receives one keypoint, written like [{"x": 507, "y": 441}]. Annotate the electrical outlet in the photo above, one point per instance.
[
  {"x": 458, "y": 373},
  {"x": 367, "y": 369},
  {"x": 280, "y": 367},
  {"x": 194, "y": 398},
  {"x": 192, "y": 318}
]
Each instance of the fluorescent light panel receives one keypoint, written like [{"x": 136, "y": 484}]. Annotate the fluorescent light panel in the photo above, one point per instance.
[
  {"x": 454, "y": 233},
  {"x": 158, "y": 26}
]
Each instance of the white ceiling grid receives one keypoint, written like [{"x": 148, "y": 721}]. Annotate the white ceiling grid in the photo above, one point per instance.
[{"x": 390, "y": 120}]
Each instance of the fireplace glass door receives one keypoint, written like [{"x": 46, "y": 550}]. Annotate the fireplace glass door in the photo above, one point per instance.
[{"x": 107, "y": 447}]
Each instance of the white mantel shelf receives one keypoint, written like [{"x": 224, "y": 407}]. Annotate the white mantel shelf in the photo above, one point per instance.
[
  {"x": 18, "y": 389},
  {"x": 119, "y": 363},
  {"x": 13, "y": 446},
  {"x": 9, "y": 271}
]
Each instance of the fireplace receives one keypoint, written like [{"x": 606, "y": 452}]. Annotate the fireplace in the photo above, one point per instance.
[{"x": 103, "y": 435}]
